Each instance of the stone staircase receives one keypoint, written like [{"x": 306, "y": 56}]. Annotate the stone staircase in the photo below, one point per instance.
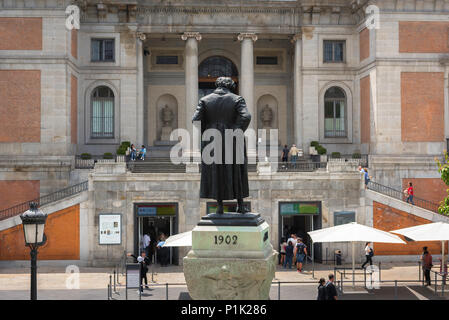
[{"x": 156, "y": 165}]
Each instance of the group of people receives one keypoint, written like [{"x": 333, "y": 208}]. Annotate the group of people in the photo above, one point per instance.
[
  {"x": 366, "y": 176},
  {"x": 150, "y": 248},
  {"x": 327, "y": 290},
  {"x": 293, "y": 251},
  {"x": 134, "y": 153},
  {"x": 292, "y": 152}
]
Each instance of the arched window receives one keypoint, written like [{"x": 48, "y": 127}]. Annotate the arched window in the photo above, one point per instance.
[
  {"x": 216, "y": 66},
  {"x": 102, "y": 115},
  {"x": 335, "y": 113}
]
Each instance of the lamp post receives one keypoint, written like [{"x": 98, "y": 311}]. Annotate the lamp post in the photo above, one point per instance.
[{"x": 33, "y": 221}]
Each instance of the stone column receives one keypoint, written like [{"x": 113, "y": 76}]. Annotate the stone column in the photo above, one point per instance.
[
  {"x": 297, "y": 91},
  {"x": 246, "y": 84},
  {"x": 191, "y": 80},
  {"x": 140, "y": 90}
]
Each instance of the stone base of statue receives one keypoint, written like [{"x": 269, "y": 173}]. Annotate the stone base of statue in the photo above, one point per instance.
[{"x": 231, "y": 258}]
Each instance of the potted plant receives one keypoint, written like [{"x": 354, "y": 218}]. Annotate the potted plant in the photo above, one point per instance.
[
  {"x": 336, "y": 155},
  {"x": 108, "y": 155},
  {"x": 312, "y": 148},
  {"x": 322, "y": 151},
  {"x": 86, "y": 156}
]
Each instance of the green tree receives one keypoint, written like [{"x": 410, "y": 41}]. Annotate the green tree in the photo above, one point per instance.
[{"x": 443, "y": 169}]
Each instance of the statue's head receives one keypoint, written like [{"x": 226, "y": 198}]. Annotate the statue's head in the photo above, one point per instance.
[{"x": 225, "y": 82}]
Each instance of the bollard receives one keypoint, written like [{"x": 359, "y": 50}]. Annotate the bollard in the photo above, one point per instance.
[
  {"x": 395, "y": 289},
  {"x": 279, "y": 290},
  {"x": 115, "y": 274},
  {"x": 166, "y": 291},
  {"x": 108, "y": 292}
]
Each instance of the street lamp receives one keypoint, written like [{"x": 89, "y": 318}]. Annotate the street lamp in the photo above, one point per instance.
[{"x": 33, "y": 221}]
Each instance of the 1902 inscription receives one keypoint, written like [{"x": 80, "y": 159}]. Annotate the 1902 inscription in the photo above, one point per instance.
[{"x": 220, "y": 239}]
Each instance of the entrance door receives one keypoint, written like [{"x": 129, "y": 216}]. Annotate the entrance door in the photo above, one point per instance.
[
  {"x": 299, "y": 218},
  {"x": 210, "y": 69},
  {"x": 157, "y": 220}
]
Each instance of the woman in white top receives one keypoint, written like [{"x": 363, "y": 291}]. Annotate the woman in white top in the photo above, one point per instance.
[{"x": 368, "y": 255}]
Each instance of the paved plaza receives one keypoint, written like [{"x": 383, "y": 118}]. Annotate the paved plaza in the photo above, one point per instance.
[{"x": 14, "y": 284}]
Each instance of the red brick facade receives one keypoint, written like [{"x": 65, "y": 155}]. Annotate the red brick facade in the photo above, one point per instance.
[
  {"x": 422, "y": 106},
  {"x": 423, "y": 37},
  {"x": 20, "y": 33},
  {"x": 432, "y": 189},
  {"x": 364, "y": 44},
  {"x": 365, "y": 106},
  {"x": 14, "y": 192}
]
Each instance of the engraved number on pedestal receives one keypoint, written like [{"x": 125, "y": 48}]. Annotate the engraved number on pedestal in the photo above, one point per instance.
[{"x": 226, "y": 239}]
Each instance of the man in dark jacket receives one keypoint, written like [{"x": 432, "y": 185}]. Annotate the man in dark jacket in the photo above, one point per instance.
[
  {"x": 331, "y": 291},
  {"x": 144, "y": 262},
  {"x": 226, "y": 178}
]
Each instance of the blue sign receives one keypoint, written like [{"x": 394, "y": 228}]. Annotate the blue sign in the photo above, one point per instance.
[{"x": 146, "y": 211}]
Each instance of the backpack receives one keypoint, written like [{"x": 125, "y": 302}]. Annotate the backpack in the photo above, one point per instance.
[{"x": 371, "y": 253}]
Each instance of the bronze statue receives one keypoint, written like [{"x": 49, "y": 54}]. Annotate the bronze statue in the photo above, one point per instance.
[{"x": 223, "y": 110}]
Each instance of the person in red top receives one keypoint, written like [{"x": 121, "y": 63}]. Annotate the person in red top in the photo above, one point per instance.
[{"x": 410, "y": 193}]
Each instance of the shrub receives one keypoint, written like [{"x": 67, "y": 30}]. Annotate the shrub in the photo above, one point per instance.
[
  {"x": 121, "y": 151},
  {"x": 356, "y": 155},
  {"x": 321, "y": 150},
  {"x": 108, "y": 155},
  {"x": 86, "y": 156},
  {"x": 126, "y": 144},
  {"x": 314, "y": 144},
  {"x": 336, "y": 155}
]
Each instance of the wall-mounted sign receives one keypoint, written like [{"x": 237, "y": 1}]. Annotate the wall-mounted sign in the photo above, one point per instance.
[
  {"x": 299, "y": 208},
  {"x": 343, "y": 217},
  {"x": 110, "y": 228},
  {"x": 156, "y": 210}
]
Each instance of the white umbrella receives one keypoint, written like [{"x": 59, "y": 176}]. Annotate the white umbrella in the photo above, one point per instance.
[
  {"x": 437, "y": 231},
  {"x": 179, "y": 240},
  {"x": 353, "y": 232}
]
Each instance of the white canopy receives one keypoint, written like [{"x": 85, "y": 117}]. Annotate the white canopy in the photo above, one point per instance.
[
  {"x": 437, "y": 231},
  {"x": 353, "y": 232},
  {"x": 179, "y": 240}
]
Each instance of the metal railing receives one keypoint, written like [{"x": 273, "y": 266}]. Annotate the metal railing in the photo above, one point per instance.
[
  {"x": 300, "y": 166},
  {"x": 397, "y": 194},
  {"x": 49, "y": 198},
  {"x": 81, "y": 163}
]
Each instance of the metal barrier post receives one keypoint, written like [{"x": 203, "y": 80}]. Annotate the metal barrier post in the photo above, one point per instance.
[
  {"x": 395, "y": 289},
  {"x": 279, "y": 290},
  {"x": 380, "y": 271},
  {"x": 166, "y": 291},
  {"x": 110, "y": 285},
  {"x": 436, "y": 288},
  {"x": 108, "y": 292},
  {"x": 342, "y": 280},
  {"x": 419, "y": 272},
  {"x": 442, "y": 284},
  {"x": 364, "y": 276},
  {"x": 115, "y": 282}
]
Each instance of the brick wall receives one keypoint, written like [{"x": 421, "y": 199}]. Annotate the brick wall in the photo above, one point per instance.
[
  {"x": 364, "y": 44},
  {"x": 20, "y": 33},
  {"x": 423, "y": 37},
  {"x": 432, "y": 189},
  {"x": 74, "y": 109},
  {"x": 387, "y": 219},
  {"x": 20, "y": 105},
  {"x": 74, "y": 43},
  {"x": 422, "y": 106},
  {"x": 365, "y": 102},
  {"x": 63, "y": 239},
  {"x": 14, "y": 192}
]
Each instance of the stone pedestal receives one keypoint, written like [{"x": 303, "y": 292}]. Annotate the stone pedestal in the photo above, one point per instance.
[{"x": 231, "y": 258}]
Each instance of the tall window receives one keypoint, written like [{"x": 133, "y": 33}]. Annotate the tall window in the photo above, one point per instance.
[
  {"x": 334, "y": 51},
  {"x": 102, "y": 50},
  {"x": 335, "y": 113},
  {"x": 102, "y": 117}
]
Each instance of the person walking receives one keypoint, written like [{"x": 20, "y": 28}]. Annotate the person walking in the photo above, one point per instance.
[
  {"x": 321, "y": 290},
  {"x": 331, "y": 291},
  {"x": 410, "y": 193},
  {"x": 427, "y": 265},
  {"x": 367, "y": 177},
  {"x": 284, "y": 157},
  {"x": 144, "y": 262},
  {"x": 300, "y": 253},
  {"x": 369, "y": 253},
  {"x": 288, "y": 255}
]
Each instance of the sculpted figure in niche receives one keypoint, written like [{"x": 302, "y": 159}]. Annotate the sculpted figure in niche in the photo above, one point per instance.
[
  {"x": 167, "y": 119},
  {"x": 267, "y": 117}
]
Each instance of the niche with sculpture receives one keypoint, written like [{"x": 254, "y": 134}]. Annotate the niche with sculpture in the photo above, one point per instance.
[
  {"x": 267, "y": 111},
  {"x": 167, "y": 116}
]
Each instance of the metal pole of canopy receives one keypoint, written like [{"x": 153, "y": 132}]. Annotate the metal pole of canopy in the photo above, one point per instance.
[{"x": 353, "y": 264}]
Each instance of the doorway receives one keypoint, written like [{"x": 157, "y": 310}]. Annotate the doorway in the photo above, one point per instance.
[
  {"x": 157, "y": 221},
  {"x": 210, "y": 69},
  {"x": 299, "y": 218}
]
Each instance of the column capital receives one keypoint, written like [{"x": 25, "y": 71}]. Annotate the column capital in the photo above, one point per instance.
[
  {"x": 195, "y": 35},
  {"x": 141, "y": 36},
  {"x": 251, "y": 36},
  {"x": 296, "y": 37}
]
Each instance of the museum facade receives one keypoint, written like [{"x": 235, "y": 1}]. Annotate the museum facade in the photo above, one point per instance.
[{"x": 366, "y": 78}]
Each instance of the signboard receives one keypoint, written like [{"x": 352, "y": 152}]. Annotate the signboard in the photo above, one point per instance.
[
  {"x": 132, "y": 275},
  {"x": 343, "y": 217},
  {"x": 299, "y": 208},
  {"x": 156, "y": 210},
  {"x": 110, "y": 228}
]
